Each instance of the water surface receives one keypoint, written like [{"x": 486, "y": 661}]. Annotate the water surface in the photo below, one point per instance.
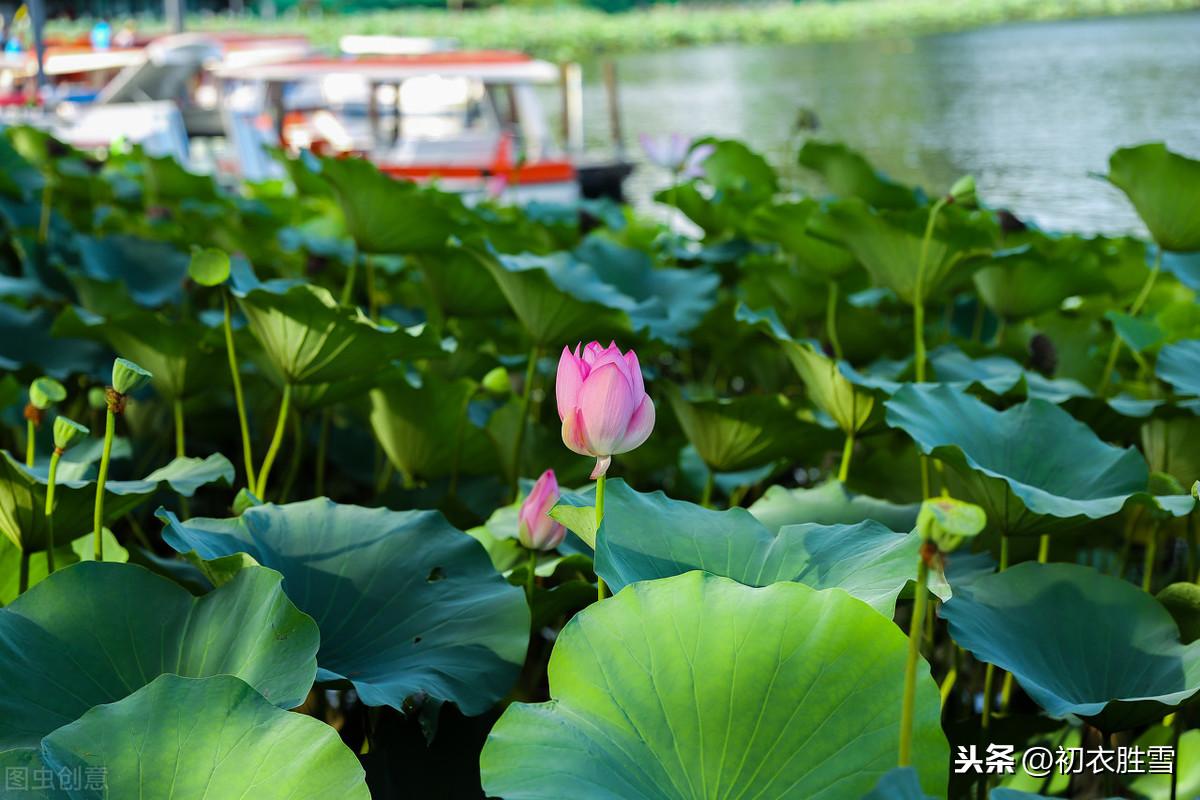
[{"x": 1029, "y": 109}]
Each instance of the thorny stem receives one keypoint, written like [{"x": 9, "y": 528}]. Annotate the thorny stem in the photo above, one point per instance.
[
  {"x": 110, "y": 423},
  {"x": 989, "y": 675},
  {"x": 919, "y": 321},
  {"x": 1151, "y": 557},
  {"x": 177, "y": 408},
  {"x": 709, "y": 483},
  {"x": 847, "y": 454},
  {"x": 239, "y": 398},
  {"x": 1139, "y": 301},
  {"x": 51, "y": 478},
  {"x": 600, "y": 590},
  {"x": 526, "y": 393},
  {"x": 30, "y": 444},
  {"x": 908, "y": 704},
  {"x": 322, "y": 446},
  {"x": 277, "y": 439}
]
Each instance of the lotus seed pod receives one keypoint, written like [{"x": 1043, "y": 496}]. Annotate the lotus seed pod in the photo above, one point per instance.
[
  {"x": 947, "y": 522},
  {"x": 68, "y": 432},
  {"x": 128, "y": 377},
  {"x": 496, "y": 381},
  {"x": 963, "y": 191},
  {"x": 45, "y": 392}
]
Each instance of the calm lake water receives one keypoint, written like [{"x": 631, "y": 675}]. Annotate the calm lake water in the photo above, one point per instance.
[{"x": 1029, "y": 109}]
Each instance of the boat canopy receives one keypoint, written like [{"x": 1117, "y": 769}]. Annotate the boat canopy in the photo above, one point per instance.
[{"x": 490, "y": 66}]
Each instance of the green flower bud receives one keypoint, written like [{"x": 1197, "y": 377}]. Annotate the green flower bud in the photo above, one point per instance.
[
  {"x": 496, "y": 381},
  {"x": 963, "y": 191},
  {"x": 209, "y": 267},
  {"x": 947, "y": 522},
  {"x": 45, "y": 392},
  {"x": 128, "y": 377},
  {"x": 67, "y": 432}
]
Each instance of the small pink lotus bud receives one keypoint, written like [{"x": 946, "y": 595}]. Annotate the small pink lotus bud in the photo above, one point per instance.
[
  {"x": 535, "y": 528},
  {"x": 602, "y": 402}
]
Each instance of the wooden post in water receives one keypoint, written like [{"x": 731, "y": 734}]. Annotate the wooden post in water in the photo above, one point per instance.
[
  {"x": 174, "y": 11},
  {"x": 571, "y": 78},
  {"x": 614, "y": 106}
]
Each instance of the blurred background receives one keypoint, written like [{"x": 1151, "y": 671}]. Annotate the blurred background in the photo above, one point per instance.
[{"x": 1028, "y": 96}]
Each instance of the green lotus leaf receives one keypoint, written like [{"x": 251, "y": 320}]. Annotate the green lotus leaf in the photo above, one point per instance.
[
  {"x": 1179, "y": 365},
  {"x": 1187, "y": 765},
  {"x": 658, "y": 694},
  {"x": 426, "y": 431},
  {"x": 65, "y": 554},
  {"x": 26, "y": 341},
  {"x": 889, "y": 245},
  {"x": 848, "y": 174},
  {"x": 405, "y": 602},
  {"x": 900, "y": 783},
  {"x": 1164, "y": 188},
  {"x": 648, "y": 536},
  {"x": 1051, "y": 624},
  {"x": 828, "y": 388},
  {"x": 737, "y": 171},
  {"x": 1037, "y": 277},
  {"x": 385, "y": 215},
  {"x": 560, "y": 300},
  {"x": 1139, "y": 334},
  {"x": 830, "y": 503},
  {"x": 18, "y": 178},
  {"x": 670, "y": 303},
  {"x": 307, "y": 338},
  {"x": 209, "y": 266},
  {"x": 93, "y": 633},
  {"x": 745, "y": 432},
  {"x": 23, "y": 497},
  {"x": 1168, "y": 445},
  {"x": 183, "y": 355},
  {"x": 1033, "y": 468},
  {"x": 150, "y": 273},
  {"x": 180, "y": 738},
  {"x": 460, "y": 283}
]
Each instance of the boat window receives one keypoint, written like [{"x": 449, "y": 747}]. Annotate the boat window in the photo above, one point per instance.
[{"x": 434, "y": 107}]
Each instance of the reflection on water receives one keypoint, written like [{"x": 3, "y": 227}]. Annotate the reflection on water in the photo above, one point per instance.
[{"x": 1029, "y": 109}]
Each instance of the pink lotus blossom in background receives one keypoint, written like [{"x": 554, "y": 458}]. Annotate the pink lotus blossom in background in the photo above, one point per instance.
[
  {"x": 676, "y": 153},
  {"x": 535, "y": 529},
  {"x": 602, "y": 402}
]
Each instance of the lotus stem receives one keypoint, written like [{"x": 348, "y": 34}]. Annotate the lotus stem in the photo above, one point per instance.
[
  {"x": 600, "y": 589},
  {"x": 919, "y": 293},
  {"x": 322, "y": 447},
  {"x": 847, "y": 454},
  {"x": 1143, "y": 295},
  {"x": 1151, "y": 558},
  {"x": 276, "y": 440},
  {"x": 293, "y": 472},
  {"x": 710, "y": 482},
  {"x": 529, "y": 578},
  {"x": 526, "y": 393},
  {"x": 30, "y": 443},
  {"x": 908, "y": 704},
  {"x": 989, "y": 673},
  {"x": 1044, "y": 548},
  {"x": 239, "y": 398},
  {"x": 951, "y": 676},
  {"x": 831, "y": 321},
  {"x": 110, "y": 423},
  {"x": 50, "y": 481},
  {"x": 177, "y": 408},
  {"x": 348, "y": 286}
]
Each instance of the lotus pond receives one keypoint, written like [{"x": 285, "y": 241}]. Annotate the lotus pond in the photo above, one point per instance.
[{"x": 334, "y": 487}]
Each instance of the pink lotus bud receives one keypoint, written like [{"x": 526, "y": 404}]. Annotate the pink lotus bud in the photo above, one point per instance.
[
  {"x": 535, "y": 528},
  {"x": 602, "y": 402}
]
